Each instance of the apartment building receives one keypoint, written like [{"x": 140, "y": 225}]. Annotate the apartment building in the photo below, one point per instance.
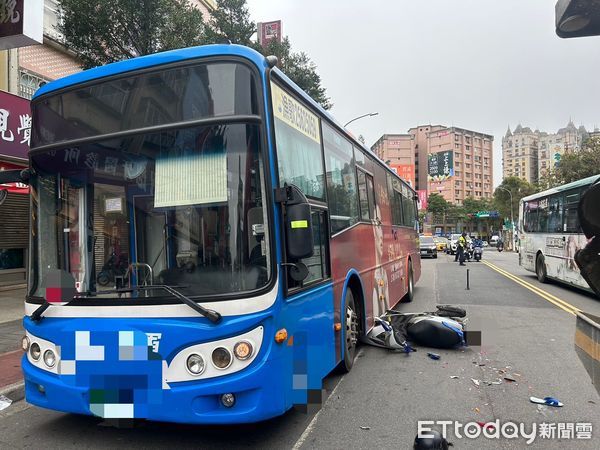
[
  {"x": 398, "y": 151},
  {"x": 468, "y": 159},
  {"x": 530, "y": 155},
  {"x": 454, "y": 162}
]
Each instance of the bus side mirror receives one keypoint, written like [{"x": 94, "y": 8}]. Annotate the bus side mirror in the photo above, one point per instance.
[
  {"x": 588, "y": 258},
  {"x": 298, "y": 223},
  {"x": 299, "y": 236}
]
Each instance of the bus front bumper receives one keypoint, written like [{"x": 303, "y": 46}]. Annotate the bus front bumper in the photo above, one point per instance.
[{"x": 259, "y": 395}]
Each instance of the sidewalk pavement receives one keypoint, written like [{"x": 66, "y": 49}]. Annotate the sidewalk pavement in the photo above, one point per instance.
[{"x": 11, "y": 332}]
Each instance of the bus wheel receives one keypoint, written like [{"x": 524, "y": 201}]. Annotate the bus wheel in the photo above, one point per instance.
[
  {"x": 352, "y": 329},
  {"x": 540, "y": 269},
  {"x": 410, "y": 294}
]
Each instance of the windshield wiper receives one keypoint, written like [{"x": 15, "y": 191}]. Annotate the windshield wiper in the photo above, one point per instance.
[{"x": 210, "y": 314}]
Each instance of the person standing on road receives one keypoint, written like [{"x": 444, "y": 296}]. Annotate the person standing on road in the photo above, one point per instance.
[{"x": 461, "y": 247}]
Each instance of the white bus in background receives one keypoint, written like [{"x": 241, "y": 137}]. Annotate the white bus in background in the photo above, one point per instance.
[{"x": 550, "y": 234}]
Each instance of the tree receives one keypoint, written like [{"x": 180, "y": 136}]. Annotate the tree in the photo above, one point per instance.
[
  {"x": 575, "y": 166},
  {"x": 101, "y": 32},
  {"x": 438, "y": 207},
  {"x": 437, "y": 204},
  {"x": 518, "y": 188},
  {"x": 231, "y": 22},
  {"x": 300, "y": 68}
]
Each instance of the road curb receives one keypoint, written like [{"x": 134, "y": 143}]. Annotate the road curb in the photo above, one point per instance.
[{"x": 15, "y": 391}]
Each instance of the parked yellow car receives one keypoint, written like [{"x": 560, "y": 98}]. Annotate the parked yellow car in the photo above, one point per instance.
[{"x": 441, "y": 243}]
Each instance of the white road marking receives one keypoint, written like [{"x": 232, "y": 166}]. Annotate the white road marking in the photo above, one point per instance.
[{"x": 313, "y": 422}]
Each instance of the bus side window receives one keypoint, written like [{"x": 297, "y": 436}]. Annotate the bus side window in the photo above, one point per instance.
[
  {"x": 371, "y": 197},
  {"x": 362, "y": 195},
  {"x": 395, "y": 199},
  {"x": 342, "y": 195},
  {"x": 571, "y": 221},
  {"x": 542, "y": 224},
  {"x": 555, "y": 214}
]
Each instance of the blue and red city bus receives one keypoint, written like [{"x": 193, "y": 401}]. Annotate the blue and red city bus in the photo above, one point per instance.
[{"x": 174, "y": 197}]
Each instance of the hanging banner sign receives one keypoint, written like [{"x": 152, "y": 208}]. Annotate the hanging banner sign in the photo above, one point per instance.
[{"x": 15, "y": 126}]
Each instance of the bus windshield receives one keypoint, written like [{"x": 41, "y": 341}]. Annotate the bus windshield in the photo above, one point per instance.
[{"x": 183, "y": 207}]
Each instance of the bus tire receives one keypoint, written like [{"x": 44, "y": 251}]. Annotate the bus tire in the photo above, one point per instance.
[
  {"x": 540, "y": 269},
  {"x": 410, "y": 293},
  {"x": 351, "y": 331}
]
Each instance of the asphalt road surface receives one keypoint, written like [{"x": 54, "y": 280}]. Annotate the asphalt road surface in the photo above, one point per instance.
[{"x": 525, "y": 335}]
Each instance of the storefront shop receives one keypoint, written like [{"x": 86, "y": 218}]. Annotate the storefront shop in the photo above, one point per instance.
[{"x": 15, "y": 128}]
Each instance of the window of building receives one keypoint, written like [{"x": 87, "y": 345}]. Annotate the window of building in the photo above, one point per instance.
[
  {"x": 467, "y": 156},
  {"x": 456, "y": 138},
  {"x": 29, "y": 83},
  {"x": 468, "y": 174},
  {"x": 468, "y": 166},
  {"x": 468, "y": 147}
]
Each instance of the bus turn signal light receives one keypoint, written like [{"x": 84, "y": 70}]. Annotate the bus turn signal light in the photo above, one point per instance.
[
  {"x": 337, "y": 326},
  {"x": 281, "y": 336}
]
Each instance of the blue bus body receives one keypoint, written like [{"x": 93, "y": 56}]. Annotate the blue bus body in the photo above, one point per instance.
[{"x": 127, "y": 362}]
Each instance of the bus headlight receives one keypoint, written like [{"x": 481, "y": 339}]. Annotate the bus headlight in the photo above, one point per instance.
[
  {"x": 35, "y": 351},
  {"x": 195, "y": 364},
  {"x": 221, "y": 358},
  {"x": 243, "y": 350},
  {"x": 49, "y": 358},
  {"x": 25, "y": 343}
]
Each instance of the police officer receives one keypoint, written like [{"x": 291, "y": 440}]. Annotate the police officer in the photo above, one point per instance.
[{"x": 461, "y": 247}]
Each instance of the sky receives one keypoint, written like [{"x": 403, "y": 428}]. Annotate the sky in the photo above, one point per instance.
[{"x": 481, "y": 65}]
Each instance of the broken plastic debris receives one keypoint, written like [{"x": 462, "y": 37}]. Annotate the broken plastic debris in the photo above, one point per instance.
[
  {"x": 509, "y": 378},
  {"x": 5, "y": 402},
  {"x": 549, "y": 401},
  {"x": 454, "y": 377},
  {"x": 475, "y": 382},
  {"x": 365, "y": 428},
  {"x": 433, "y": 356},
  {"x": 476, "y": 410}
]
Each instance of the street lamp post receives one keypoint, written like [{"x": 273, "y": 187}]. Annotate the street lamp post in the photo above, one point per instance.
[
  {"x": 512, "y": 222},
  {"x": 360, "y": 117}
]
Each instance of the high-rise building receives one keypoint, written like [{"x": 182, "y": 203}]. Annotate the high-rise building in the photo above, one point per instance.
[
  {"x": 454, "y": 162},
  {"x": 519, "y": 153},
  {"x": 398, "y": 151},
  {"x": 530, "y": 155}
]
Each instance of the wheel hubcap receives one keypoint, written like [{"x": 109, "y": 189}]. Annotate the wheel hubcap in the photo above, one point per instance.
[{"x": 351, "y": 328}]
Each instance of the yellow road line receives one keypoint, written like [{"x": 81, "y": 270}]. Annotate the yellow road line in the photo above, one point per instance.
[
  {"x": 553, "y": 297},
  {"x": 545, "y": 295}
]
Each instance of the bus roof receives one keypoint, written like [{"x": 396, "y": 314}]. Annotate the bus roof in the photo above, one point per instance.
[
  {"x": 173, "y": 56},
  {"x": 156, "y": 59},
  {"x": 565, "y": 187}
]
